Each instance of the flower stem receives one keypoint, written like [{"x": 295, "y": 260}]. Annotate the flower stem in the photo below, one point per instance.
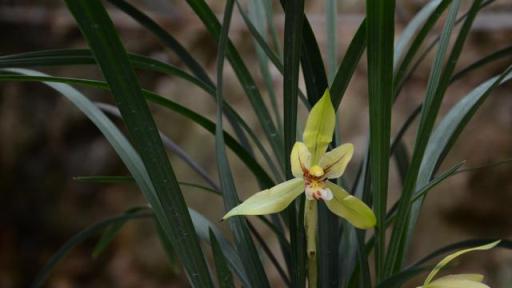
[{"x": 310, "y": 225}]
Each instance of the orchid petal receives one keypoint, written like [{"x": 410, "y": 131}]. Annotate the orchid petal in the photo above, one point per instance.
[
  {"x": 268, "y": 201},
  {"x": 452, "y": 256},
  {"x": 458, "y": 284},
  {"x": 471, "y": 277},
  {"x": 458, "y": 281},
  {"x": 335, "y": 161},
  {"x": 349, "y": 207},
  {"x": 320, "y": 127},
  {"x": 300, "y": 158}
]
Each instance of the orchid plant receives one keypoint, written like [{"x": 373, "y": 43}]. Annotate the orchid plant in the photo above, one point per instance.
[
  {"x": 312, "y": 168},
  {"x": 346, "y": 257}
]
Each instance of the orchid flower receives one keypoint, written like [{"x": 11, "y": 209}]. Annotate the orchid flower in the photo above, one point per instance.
[
  {"x": 312, "y": 168},
  {"x": 457, "y": 280}
]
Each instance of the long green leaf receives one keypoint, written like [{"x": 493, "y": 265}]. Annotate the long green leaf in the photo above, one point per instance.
[
  {"x": 83, "y": 56},
  {"x": 169, "y": 250},
  {"x": 437, "y": 86},
  {"x": 495, "y": 56},
  {"x": 243, "y": 240},
  {"x": 207, "y": 124},
  {"x": 111, "y": 56},
  {"x": 224, "y": 276},
  {"x": 380, "y": 36},
  {"x": 293, "y": 44},
  {"x": 104, "y": 179},
  {"x": 61, "y": 57},
  {"x": 203, "y": 227},
  {"x": 294, "y": 16},
  {"x": 99, "y": 179},
  {"x": 449, "y": 129}
]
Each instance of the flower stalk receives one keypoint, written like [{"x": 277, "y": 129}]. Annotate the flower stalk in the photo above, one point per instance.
[{"x": 310, "y": 225}]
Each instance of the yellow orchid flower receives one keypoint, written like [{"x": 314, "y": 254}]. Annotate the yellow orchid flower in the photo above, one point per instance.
[
  {"x": 312, "y": 168},
  {"x": 457, "y": 280}
]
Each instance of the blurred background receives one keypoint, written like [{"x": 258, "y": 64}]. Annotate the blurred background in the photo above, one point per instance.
[{"x": 45, "y": 142}]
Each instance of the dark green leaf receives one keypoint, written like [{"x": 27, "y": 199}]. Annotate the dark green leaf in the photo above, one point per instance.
[
  {"x": 449, "y": 130},
  {"x": 495, "y": 56},
  {"x": 243, "y": 241},
  {"x": 380, "y": 37},
  {"x": 111, "y": 56},
  {"x": 294, "y": 16},
  {"x": 224, "y": 276},
  {"x": 313, "y": 68},
  {"x": 84, "y": 57},
  {"x": 401, "y": 156},
  {"x": 174, "y": 263},
  {"x": 203, "y": 226},
  {"x": 434, "y": 95}
]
